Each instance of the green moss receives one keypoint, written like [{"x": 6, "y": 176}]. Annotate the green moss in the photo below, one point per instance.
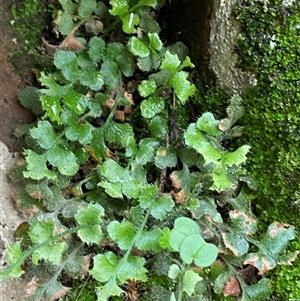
[
  {"x": 269, "y": 44},
  {"x": 30, "y": 19}
]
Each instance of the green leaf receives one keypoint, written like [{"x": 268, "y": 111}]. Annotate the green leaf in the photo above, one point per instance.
[
  {"x": 194, "y": 248},
  {"x": 171, "y": 62},
  {"x": 152, "y": 3},
  {"x": 37, "y": 166},
  {"x": 66, "y": 61},
  {"x": 96, "y": 49},
  {"x": 75, "y": 102},
  {"x": 260, "y": 290},
  {"x": 30, "y": 98},
  {"x": 220, "y": 180},
  {"x": 243, "y": 222},
  {"x": 129, "y": 22},
  {"x": 112, "y": 189},
  {"x": 183, "y": 227},
  {"x": 52, "y": 107},
  {"x": 86, "y": 8},
  {"x": 40, "y": 233},
  {"x": 98, "y": 149},
  {"x": 193, "y": 137},
  {"x": 137, "y": 47},
  {"x": 109, "y": 289},
  {"x": 147, "y": 87},
  {"x": 91, "y": 217},
  {"x": 121, "y": 133},
  {"x": 210, "y": 154},
  {"x": 122, "y": 233},
  {"x": 236, "y": 243},
  {"x": 155, "y": 41},
  {"x": 148, "y": 240},
  {"x": 44, "y": 134},
  {"x": 14, "y": 255},
  {"x": 158, "y": 126},
  {"x": 237, "y": 157},
  {"x": 208, "y": 124},
  {"x": 79, "y": 132},
  {"x": 132, "y": 268},
  {"x": 165, "y": 157},
  {"x": 174, "y": 271},
  {"x": 183, "y": 88},
  {"x": 119, "y": 7},
  {"x": 152, "y": 106},
  {"x": 104, "y": 266},
  {"x": 113, "y": 172},
  {"x": 91, "y": 79},
  {"x": 147, "y": 148},
  {"x": 68, "y": 5},
  {"x": 65, "y": 23},
  {"x": 109, "y": 71},
  {"x": 63, "y": 159},
  {"x": 52, "y": 252},
  {"x": 148, "y": 195},
  {"x": 275, "y": 241},
  {"x": 190, "y": 279},
  {"x": 132, "y": 188},
  {"x": 187, "y": 63},
  {"x": 126, "y": 63},
  {"x": 160, "y": 207}
]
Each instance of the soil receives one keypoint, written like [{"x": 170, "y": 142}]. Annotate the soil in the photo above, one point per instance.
[{"x": 11, "y": 112}]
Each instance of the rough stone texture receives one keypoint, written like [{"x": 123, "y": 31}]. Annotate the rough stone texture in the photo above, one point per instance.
[
  {"x": 9, "y": 221},
  {"x": 223, "y": 57}
]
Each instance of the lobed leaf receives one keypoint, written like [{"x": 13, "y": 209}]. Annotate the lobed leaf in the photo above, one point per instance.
[
  {"x": 170, "y": 62},
  {"x": 37, "y": 166},
  {"x": 44, "y": 134},
  {"x": 155, "y": 41},
  {"x": 52, "y": 252},
  {"x": 190, "y": 279},
  {"x": 152, "y": 106},
  {"x": 236, "y": 243},
  {"x": 66, "y": 61},
  {"x": 90, "y": 217},
  {"x": 96, "y": 49},
  {"x": 109, "y": 71},
  {"x": 183, "y": 88},
  {"x": 165, "y": 157},
  {"x": 63, "y": 159},
  {"x": 86, "y": 8},
  {"x": 113, "y": 172},
  {"x": 147, "y": 87},
  {"x": 148, "y": 240},
  {"x": 237, "y": 157},
  {"x": 119, "y": 7},
  {"x": 137, "y": 47},
  {"x": 112, "y": 189},
  {"x": 80, "y": 132},
  {"x": 91, "y": 79},
  {"x": 122, "y": 233},
  {"x": 14, "y": 255},
  {"x": 160, "y": 207},
  {"x": 129, "y": 22},
  {"x": 208, "y": 124},
  {"x": 158, "y": 127}
]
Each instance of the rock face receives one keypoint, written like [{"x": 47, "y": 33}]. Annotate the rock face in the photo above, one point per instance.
[
  {"x": 10, "y": 219},
  {"x": 224, "y": 30}
]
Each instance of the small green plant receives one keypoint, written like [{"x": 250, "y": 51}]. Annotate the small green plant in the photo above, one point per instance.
[{"x": 116, "y": 192}]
